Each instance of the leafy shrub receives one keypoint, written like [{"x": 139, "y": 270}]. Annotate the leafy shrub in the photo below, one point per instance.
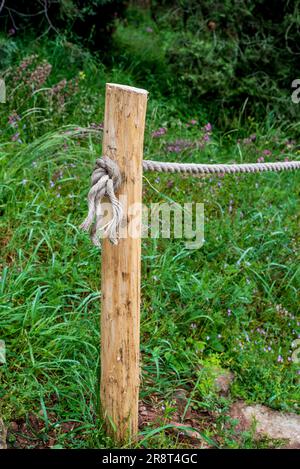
[
  {"x": 234, "y": 52},
  {"x": 141, "y": 51},
  {"x": 238, "y": 55},
  {"x": 91, "y": 21},
  {"x": 203, "y": 66},
  {"x": 8, "y": 48}
]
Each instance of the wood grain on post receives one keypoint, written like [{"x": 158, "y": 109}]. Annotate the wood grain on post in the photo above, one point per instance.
[{"x": 123, "y": 136}]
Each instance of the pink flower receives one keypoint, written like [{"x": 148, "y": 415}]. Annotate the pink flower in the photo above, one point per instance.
[
  {"x": 208, "y": 127},
  {"x": 178, "y": 146},
  {"x": 15, "y": 137},
  {"x": 13, "y": 118},
  {"x": 267, "y": 152},
  {"x": 159, "y": 132}
]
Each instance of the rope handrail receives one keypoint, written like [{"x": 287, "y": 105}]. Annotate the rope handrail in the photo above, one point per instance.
[
  {"x": 195, "y": 168},
  {"x": 106, "y": 179}
]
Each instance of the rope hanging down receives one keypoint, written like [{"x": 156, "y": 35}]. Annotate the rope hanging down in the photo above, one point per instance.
[{"x": 106, "y": 179}]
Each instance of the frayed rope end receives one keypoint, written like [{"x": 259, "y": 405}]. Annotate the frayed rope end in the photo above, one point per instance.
[{"x": 106, "y": 179}]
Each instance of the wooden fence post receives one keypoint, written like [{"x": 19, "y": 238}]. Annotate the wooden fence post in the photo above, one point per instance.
[{"x": 123, "y": 136}]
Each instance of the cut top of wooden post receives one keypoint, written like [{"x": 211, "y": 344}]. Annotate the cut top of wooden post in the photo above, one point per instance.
[
  {"x": 124, "y": 123},
  {"x": 131, "y": 89}
]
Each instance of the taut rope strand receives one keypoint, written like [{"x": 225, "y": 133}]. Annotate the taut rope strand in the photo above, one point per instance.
[
  {"x": 193, "y": 168},
  {"x": 106, "y": 179}
]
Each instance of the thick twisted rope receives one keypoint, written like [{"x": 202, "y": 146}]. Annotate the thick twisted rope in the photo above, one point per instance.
[
  {"x": 106, "y": 179},
  {"x": 193, "y": 168}
]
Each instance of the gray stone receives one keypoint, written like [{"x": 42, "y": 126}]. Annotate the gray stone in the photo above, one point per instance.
[
  {"x": 223, "y": 380},
  {"x": 268, "y": 423}
]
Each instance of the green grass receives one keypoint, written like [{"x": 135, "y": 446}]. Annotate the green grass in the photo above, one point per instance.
[{"x": 221, "y": 305}]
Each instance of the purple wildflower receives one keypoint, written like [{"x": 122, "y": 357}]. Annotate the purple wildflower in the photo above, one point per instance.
[
  {"x": 15, "y": 137},
  {"x": 173, "y": 148},
  {"x": 13, "y": 119},
  {"x": 267, "y": 152},
  {"x": 208, "y": 127},
  {"x": 159, "y": 132},
  {"x": 280, "y": 359},
  {"x": 248, "y": 140},
  {"x": 178, "y": 146},
  {"x": 40, "y": 74},
  {"x": 95, "y": 126}
]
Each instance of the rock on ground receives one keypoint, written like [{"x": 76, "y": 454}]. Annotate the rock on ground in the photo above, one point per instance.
[
  {"x": 269, "y": 423},
  {"x": 223, "y": 380}
]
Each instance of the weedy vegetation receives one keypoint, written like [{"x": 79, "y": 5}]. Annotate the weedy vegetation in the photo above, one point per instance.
[{"x": 233, "y": 304}]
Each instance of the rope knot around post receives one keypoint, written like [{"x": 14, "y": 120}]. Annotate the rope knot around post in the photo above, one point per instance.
[{"x": 105, "y": 181}]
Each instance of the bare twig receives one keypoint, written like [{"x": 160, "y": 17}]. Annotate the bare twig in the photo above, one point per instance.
[
  {"x": 24, "y": 14},
  {"x": 12, "y": 19},
  {"x": 45, "y": 4},
  {"x": 2, "y": 5}
]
